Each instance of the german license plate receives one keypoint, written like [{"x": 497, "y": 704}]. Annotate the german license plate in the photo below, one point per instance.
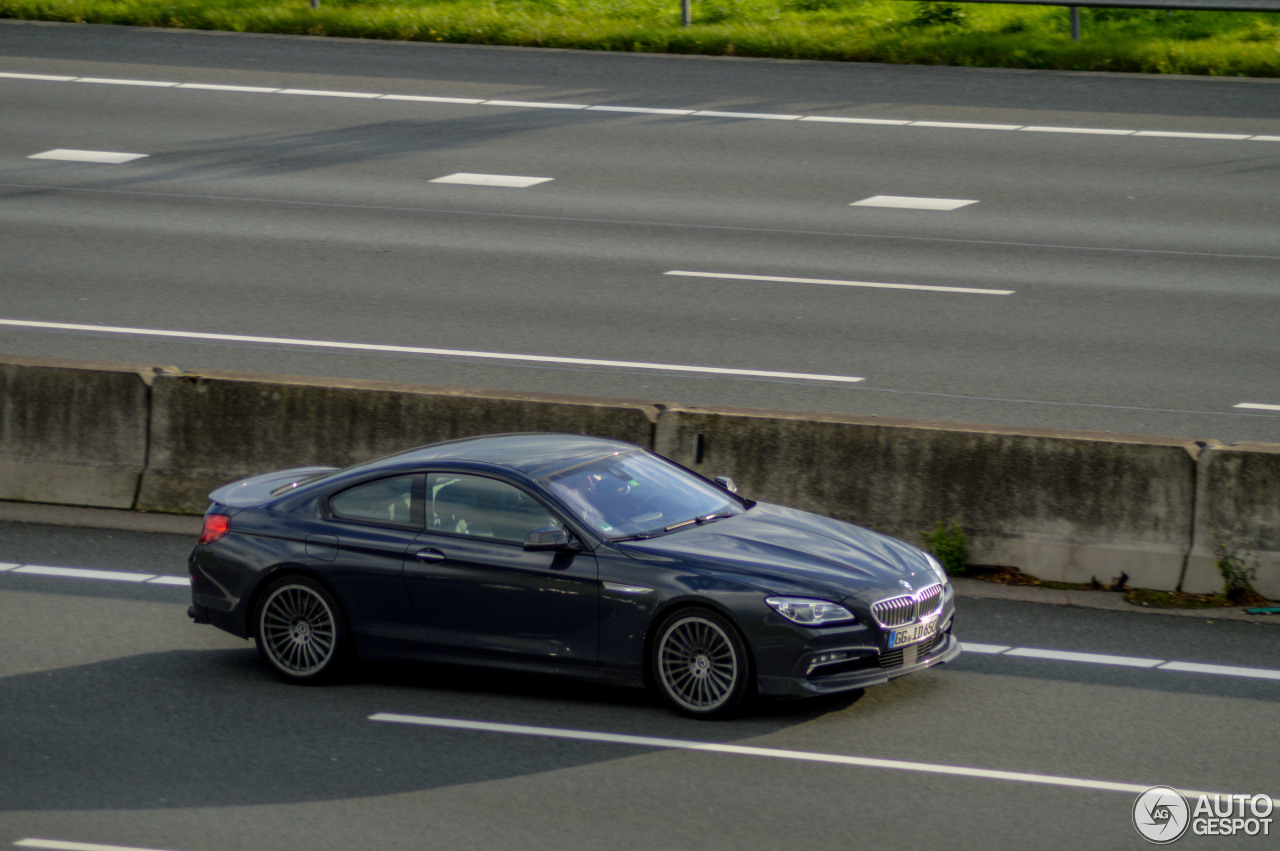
[{"x": 913, "y": 634}]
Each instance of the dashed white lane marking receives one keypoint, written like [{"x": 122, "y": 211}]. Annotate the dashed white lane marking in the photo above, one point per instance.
[
  {"x": 94, "y": 574},
  {"x": 1257, "y": 406},
  {"x": 837, "y": 283},
  {"x": 1177, "y": 135},
  {"x": 112, "y": 81},
  {"x": 530, "y": 104},
  {"x": 906, "y": 202},
  {"x": 769, "y": 753},
  {"x": 422, "y": 350},
  {"x": 963, "y": 125},
  {"x": 509, "y": 180},
  {"x": 1087, "y": 130},
  {"x": 644, "y": 110},
  {"x": 836, "y": 119},
  {"x": 325, "y": 94},
  {"x": 768, "y": 116},
  {"x": 83, "y": 573},
  {"x": 1121, "y": 661},
  {"x": 61, "y": 845},
  {"x": 75, "y": 156},
  {"x": 703, "y": 113},
  {"x": 429, "y": 99},
  {"x": 211, "y": 87}
]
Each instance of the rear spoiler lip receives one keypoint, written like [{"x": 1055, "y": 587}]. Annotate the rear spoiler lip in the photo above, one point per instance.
[{"x": 256, "y": 490}]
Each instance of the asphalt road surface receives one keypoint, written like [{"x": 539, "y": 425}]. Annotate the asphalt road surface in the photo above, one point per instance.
[
  {"x": 1035, "y": 249},
  {"x": 126, "y": 725}
]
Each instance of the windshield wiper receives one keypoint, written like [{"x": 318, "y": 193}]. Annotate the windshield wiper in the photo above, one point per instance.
[
  {"x": 700, "y": 519},
  {"x": 638, "y": 536}
]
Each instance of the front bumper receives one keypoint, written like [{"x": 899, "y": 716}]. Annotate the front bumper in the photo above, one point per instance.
[{"x": 861, "y": 667}]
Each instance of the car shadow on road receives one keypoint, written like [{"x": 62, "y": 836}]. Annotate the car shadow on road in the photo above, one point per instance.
[{"x": 214, "y": 728}]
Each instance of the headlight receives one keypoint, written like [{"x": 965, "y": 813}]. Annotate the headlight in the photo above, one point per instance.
[
  {"x": 808, "y": 612},
  {"x": 936, "y": 567}
]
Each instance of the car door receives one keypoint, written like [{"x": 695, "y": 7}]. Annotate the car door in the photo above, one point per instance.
[
  {"x": 370, "y": 526},
  {"x": 478, "y": 591}
]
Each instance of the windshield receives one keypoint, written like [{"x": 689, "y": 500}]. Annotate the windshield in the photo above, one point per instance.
[{"x": 637, "y": 493}]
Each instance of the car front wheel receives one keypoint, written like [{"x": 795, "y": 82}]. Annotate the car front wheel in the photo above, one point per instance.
[
  {"x": 700, "y": 664},
  {"x": 299, "y": 630}
]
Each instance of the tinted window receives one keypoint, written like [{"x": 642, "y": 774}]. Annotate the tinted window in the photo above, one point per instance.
[
  {"x": 637, "y": 492},
  {"x": 483, "y": 508},
  {"x": 383, "y": 501}
]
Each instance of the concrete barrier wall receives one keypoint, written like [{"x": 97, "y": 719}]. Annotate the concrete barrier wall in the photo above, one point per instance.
[
  {"x": 73, "y": 432},
  {"x": 1064, "y": 506},
  {"x": 211, "y": 428},
  {"x": 1237, "y": 505},
  {"x": 1061, "y": 505}
]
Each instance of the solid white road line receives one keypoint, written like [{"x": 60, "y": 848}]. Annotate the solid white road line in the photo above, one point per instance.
[
  {"x": 955, "y": 125},
  {"x": 772, "y": 753},
  {"x": 1122, "y": 661},
  {"x": 970, "y": 647},
  {"x": 836, "y": 283},
  {"x": 1221, "y": 670},
  {"x": 60, "y": 845},
  {"x": 905, "y": 202},
  {"x": 83, "y": 573},
  {"x": 1091, "y": 658},
  {"x": 514, "y": 181},
  {"x": 1257, "y": 406},
  {"x": 52, "y": 78},
  {"x": 72, "y": 155},
  {"x": 422, "y": 350}
]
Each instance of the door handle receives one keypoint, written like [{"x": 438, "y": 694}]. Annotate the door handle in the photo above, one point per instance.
[{"x": 429, "y": 556}]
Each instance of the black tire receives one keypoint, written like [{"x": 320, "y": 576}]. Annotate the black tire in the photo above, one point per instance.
[
  {"x": 700, "y": 664},
  {"x": 300, "y": 630}
]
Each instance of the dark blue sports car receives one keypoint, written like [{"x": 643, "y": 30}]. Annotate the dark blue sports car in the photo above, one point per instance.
[{"x": 570, "y": 555}]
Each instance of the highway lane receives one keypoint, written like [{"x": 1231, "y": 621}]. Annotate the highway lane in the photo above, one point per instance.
[
  {"x": 126, "y": 724},
  {"x": 1143, "y": 268}
]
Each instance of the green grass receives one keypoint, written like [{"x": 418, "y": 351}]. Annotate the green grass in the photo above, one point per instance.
[{"x": 901, "y": 31}]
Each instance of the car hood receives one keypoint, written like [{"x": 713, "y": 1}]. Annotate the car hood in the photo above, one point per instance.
[
  {"x": 258, "y": 489},
  {"x": 790, "y": 551}
]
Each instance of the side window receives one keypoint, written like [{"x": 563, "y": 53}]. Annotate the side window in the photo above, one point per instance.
[
  {"x": 483, "y": 508},
  {"x": 383, "y": 501}
]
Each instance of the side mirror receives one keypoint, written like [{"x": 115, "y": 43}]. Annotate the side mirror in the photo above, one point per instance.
[
  {"x": 727, "y": 483},
  {"x": 548, "y": 538}
]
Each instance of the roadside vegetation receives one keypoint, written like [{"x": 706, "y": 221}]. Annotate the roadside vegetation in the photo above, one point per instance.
[{"x": 898, "y": 31}]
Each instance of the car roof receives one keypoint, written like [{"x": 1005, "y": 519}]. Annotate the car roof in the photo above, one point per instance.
[{"x": 535, "y": 454}]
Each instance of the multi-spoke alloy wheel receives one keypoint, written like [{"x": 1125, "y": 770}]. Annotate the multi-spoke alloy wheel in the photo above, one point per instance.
[
  {"x": 700, "y": 664},
  {"x": 299, "y": 630}
]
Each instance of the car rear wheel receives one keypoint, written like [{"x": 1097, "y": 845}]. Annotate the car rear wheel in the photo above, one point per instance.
[
  {"x": 300, "y": 631},
  {"x": 700, "y": 665}
]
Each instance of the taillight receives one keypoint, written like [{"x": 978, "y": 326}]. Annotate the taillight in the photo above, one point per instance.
[{"x": 215, "y": 526}]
